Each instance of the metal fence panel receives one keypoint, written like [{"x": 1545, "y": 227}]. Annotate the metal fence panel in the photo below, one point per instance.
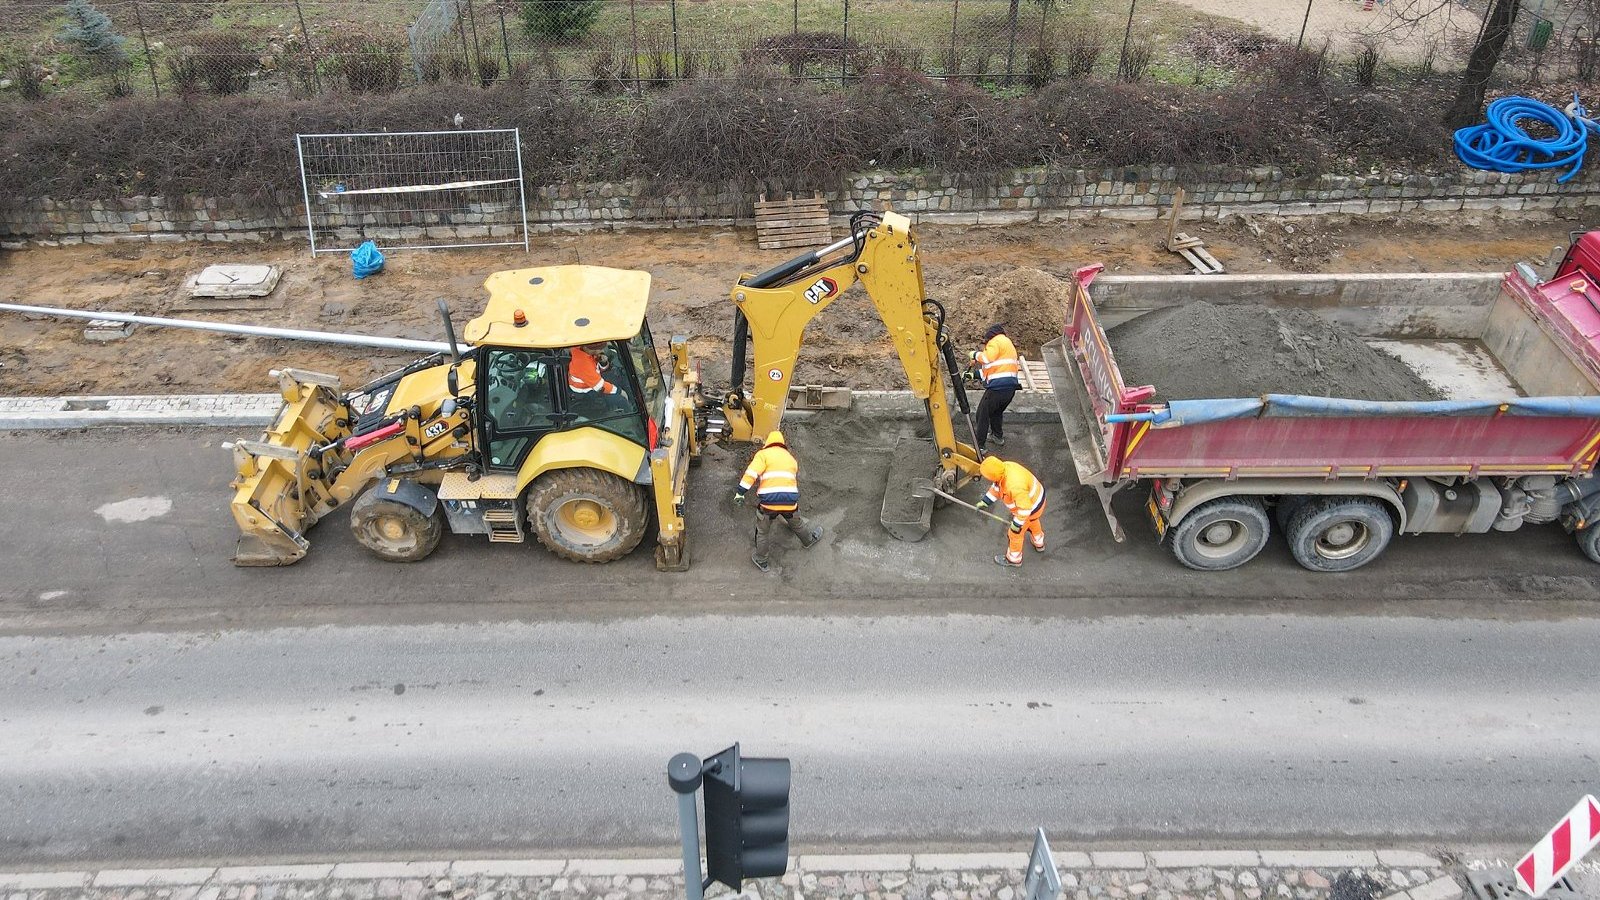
[{"x": 413, "y": 190}]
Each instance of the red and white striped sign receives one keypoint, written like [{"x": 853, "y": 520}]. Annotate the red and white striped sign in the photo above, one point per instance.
[{"x": 1566, "y": 843}]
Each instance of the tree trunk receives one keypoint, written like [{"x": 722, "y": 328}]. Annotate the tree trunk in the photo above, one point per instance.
[{"x": 1467, "y": 107}]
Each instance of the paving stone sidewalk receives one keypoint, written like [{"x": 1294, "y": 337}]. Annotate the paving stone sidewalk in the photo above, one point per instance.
[{"x": 1097, "y": 875}]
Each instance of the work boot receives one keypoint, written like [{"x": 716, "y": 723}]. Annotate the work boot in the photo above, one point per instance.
[
  {"x": 762, "y": 564},
  {"x": 1038, "y": 545},
  {"x": 816, "y": 535},
  {"x": 1000, "y": 560},
  {"x": 998, "y": 438}
]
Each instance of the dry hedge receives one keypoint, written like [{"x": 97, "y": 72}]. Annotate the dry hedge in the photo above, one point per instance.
[{"x": 752, "y": 126}]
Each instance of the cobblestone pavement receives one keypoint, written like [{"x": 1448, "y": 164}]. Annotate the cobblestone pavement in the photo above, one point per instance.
[{"x": 1117, "y": 875}]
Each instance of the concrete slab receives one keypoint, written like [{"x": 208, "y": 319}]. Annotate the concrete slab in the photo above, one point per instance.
[
  {"x": 106, "y": 330},
  {"x": 1407, "y": 859},
  {"x": 882, "y": 862},
  {"x": 1315, "y": 859},
  {"x": 946, "y": 862},
  {"x": 272, "y": 874},
  {"x": 233, "y": 281},
  {"x": 509, "y": 868},
  {"x": 1195, "y": 859},
  {"x": 43, "y": 881},
  {"x": 624, "y": 866},
  {"x": 151, "y": 877},
  {"x": 1118, "y": 859},
  {"x": 372, "y": 870},
  {"x": 1439, "y": 889}
]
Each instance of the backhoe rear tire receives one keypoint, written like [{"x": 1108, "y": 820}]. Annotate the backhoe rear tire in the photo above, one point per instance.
[
  {"x": 587, "y": 515},
  {"x": 394, "y": 531}
]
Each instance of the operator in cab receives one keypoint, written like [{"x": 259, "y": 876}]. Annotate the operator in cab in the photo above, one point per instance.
[{"x": 775, "y": 475}]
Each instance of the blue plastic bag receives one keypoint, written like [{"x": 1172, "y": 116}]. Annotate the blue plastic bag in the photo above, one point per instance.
[{"x": 366, "y": 260}]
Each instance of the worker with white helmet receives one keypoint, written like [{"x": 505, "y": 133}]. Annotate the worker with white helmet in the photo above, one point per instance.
[{"x": 775, "y": 475}]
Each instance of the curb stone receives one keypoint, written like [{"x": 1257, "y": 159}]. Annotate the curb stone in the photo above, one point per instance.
[
  {"x": 259, "y": 410},
  {"x": 1092, "y": 875}
]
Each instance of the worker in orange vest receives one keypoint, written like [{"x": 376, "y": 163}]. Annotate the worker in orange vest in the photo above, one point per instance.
[
  {"x": 584, "y": 373},
  {"x": 999, "y": 367},
  {"x": 1023, "y": 494},
  {"x": 775, "y": 475}
]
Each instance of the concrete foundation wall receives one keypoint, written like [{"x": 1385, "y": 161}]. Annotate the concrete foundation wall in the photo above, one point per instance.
[{"x": 1426, "y": 305}]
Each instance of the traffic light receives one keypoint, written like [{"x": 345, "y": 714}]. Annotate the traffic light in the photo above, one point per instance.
[{"x": 747, "y": 817}]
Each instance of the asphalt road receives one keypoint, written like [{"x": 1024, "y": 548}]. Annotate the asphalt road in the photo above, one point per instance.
[
  {"x": 944, "y": 731},
  {"x": 157, "y": 703},
  {"x": 110, "y": 530}
]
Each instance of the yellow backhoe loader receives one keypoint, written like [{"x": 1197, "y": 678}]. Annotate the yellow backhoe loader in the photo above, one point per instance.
[
  {"x": 555, "y": 420},
  {"x": 775, "y": 306},
  {"x": 554, "y": 417}
]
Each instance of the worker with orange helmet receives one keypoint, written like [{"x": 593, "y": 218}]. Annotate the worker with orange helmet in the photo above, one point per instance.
[
  {"x": 1023, "y": 494},
  {"x": 775, "y": 475}
]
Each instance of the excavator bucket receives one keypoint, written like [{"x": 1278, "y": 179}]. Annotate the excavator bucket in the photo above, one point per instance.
[
  {"x": 270, "y": 487},
  {"x": 907, "y": 505}
]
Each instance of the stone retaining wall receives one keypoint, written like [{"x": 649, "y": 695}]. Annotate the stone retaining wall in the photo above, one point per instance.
[{"x": 1025, "y": 195}]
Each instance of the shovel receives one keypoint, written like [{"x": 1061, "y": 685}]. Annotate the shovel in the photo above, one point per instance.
[{"x": 923, "y": 487}]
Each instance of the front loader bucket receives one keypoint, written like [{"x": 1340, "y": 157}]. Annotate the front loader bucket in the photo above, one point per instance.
[{"x": 278, "y": 481}]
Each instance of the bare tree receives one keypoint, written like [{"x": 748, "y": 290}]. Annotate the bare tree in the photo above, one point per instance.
[{"x": 1467, "y": 107}]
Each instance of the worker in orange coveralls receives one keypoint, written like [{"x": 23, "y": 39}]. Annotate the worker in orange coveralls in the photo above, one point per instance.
[{"x": 1023, "y": 494}]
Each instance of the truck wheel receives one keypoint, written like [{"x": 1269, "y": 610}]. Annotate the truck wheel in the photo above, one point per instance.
[
  {"x": 393, "y": 530},
  {"x": 1589, "y": 542},
  {"x": 1221, "y": 534},
  {"x": 586, "y": 515},
  {"x": 1339, "y": 534}
]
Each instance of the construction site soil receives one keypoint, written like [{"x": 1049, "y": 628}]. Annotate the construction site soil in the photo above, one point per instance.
[
  {"x": 980, "y": 274},
  {"x": 1201, "y": 350}
]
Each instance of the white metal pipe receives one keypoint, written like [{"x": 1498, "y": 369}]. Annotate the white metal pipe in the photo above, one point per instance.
[{"x": 290, "y": 334}]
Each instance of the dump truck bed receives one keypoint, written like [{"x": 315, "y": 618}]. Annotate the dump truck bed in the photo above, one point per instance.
[{"x": 1538, "y": 333}]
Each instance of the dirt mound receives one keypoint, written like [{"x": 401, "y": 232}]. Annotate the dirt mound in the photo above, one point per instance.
[
  {"x": 1200, "y": 350},
  {"x": 1032, "y": 305}
]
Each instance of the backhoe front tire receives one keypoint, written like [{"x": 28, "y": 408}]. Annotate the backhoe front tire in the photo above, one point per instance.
[
  {"x": 587, "y": 515},
  {"x": 394, "y": 531}
]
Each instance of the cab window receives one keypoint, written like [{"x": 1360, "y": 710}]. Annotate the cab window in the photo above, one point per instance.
[
  {"x": 520, "y": 396},
  {"x": 599, "y": 391},
  {"x": 643, "y": 352}
]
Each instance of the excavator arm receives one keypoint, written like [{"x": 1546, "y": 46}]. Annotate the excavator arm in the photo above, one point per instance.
[{"x": 775, "y": 307}]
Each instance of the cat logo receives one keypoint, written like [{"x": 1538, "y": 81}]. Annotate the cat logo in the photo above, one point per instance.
[{"x": 822, "y": 290}]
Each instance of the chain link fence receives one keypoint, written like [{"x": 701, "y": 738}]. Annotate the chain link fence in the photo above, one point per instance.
[{"x": 307, "y": 47}]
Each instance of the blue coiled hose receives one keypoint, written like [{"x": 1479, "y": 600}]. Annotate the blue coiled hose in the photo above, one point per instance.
[{"x": 1502, "y": 145}]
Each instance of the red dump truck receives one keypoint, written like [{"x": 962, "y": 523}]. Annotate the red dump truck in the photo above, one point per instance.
[{"x": 1341, "y": 478}]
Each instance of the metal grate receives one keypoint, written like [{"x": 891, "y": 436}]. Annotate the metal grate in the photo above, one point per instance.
[{"x": 413, "y": 190}]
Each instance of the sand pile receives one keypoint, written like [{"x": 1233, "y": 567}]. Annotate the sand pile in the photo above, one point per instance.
[
  {"x": 1200, "y": 350},
  {"x": 1032, "y": 305}
]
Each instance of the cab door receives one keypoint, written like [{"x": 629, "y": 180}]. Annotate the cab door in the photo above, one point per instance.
[{"x": 519, "y": 401}]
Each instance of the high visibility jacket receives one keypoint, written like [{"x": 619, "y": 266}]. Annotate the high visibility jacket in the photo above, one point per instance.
[
  {"x": 1022, "y": 493},
  {"x": 778, "y": 474},
  {"x": 999, "y": 365},
  {"x": 583, "y": 374}
]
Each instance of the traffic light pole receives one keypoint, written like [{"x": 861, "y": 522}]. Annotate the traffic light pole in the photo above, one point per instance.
[{"x": 683, "y": 773}]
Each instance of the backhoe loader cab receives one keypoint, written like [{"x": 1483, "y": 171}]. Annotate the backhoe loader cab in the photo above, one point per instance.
[{"x": 558, "y": 421}]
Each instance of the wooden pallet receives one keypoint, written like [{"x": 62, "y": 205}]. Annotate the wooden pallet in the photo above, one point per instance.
[
  {"x": 788, "y": 223},
  {"x": 1192, "y": 249},
  {"x": 1035, "y": 377}
]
